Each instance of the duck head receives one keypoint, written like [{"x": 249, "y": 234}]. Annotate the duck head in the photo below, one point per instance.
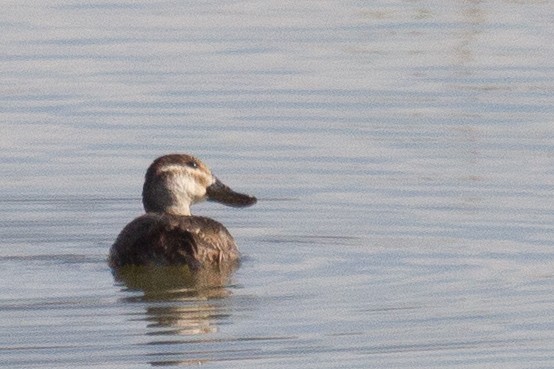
[{"x": 174, "y": 182}]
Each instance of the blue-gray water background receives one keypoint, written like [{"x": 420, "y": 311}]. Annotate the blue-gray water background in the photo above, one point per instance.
[{"x": 402, "y": 152}]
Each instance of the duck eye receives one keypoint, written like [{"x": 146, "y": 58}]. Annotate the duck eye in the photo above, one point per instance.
[{"x": 192, "y": 164}]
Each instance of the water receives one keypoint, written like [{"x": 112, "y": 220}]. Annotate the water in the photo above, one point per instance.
[{"x": 402, "y": 153}]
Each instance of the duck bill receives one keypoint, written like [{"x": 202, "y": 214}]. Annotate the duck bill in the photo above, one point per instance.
[{"x": 223, "y": 194}]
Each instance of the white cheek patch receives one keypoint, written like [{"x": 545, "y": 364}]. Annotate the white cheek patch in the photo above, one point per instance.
[{"x": 184, "y": 185}]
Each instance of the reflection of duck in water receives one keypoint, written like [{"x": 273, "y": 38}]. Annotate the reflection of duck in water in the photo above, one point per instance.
[
  {"x": 175, "y": 300},
  {"x": 168, "y": 234}
]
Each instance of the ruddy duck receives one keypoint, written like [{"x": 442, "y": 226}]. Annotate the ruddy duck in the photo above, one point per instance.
[{"x": 168, "y": 234}]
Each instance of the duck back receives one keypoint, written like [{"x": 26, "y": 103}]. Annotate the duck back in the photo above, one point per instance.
[{"x": 165, "y": 239}]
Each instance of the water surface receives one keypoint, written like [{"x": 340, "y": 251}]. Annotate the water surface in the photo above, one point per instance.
[{"x": 402, "y": 153}]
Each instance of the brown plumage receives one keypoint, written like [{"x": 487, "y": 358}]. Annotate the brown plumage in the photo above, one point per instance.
[{"x": 168, "y": 234}]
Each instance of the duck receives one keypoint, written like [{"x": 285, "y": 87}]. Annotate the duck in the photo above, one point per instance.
[{"x": 168, "y": 234}]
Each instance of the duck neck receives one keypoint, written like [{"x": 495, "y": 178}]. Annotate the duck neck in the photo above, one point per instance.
[{"x": 181, "y": 210}]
